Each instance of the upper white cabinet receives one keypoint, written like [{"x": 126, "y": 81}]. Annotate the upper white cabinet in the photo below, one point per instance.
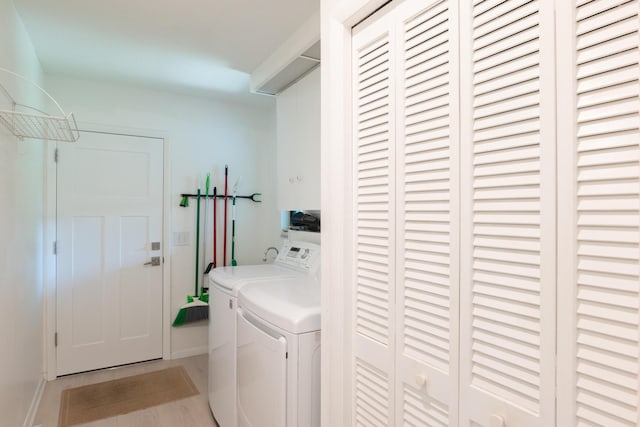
[{"x": 298, "y": 134}]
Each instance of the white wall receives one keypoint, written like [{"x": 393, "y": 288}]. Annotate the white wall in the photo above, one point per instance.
[
  {"x": 204, "y": 135},
  {"x": 21, "y": 216}
]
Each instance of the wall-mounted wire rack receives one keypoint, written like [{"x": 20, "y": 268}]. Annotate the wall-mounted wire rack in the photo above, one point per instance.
[{"x": 25, "y": 121}]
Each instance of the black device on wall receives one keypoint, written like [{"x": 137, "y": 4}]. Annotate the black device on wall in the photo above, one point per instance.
[{"x": 300, "y": 220}]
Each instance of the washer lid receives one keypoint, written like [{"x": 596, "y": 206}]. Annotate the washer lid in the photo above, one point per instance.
[
  {"x": 230, "y": 279},
  {"x": 290, "y": 304}
]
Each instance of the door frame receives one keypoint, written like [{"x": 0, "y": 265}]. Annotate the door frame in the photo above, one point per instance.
[{"x": 49, "y": 237}]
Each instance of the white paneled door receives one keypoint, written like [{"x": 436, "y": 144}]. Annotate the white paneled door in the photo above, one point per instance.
[{"x": 109, "y": 290}]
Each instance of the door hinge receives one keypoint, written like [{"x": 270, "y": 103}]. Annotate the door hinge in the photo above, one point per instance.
[
  {"x": 55, "y": 339},
  {"x": 230, "y": 303},
  {"x": 55, "y": 155},
  {"x": 286, "y": 355},
  {"x": 55, "y": 248}
]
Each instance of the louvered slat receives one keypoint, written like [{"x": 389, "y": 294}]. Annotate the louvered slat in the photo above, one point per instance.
[
  {"x": 424, "y": 193},
  {"x": 426, "y": 212},
  {"x": 372, "y": 203},
  {"x": 505, "y": 292},
  {"x": 607, "y": 186},
  {"x": 372, "y": 397},
  {"x": 373, "y": 182},
  {"x": 420, "y": 410}
]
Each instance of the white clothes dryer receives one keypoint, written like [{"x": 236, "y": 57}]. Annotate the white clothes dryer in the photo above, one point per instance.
[
  {"x": 278, "y": 355},
  {"x": 295, "y": 259}
]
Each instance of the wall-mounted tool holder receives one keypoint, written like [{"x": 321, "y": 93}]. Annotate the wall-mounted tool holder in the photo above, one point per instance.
[{"x": 255, "y": 197}]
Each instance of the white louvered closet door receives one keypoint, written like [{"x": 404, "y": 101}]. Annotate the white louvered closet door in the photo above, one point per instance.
[
  {"x": 599, "y": 213},
  {"x": 427, "y": 213},
  {"x": 374, "y": 240},
  {"x": 508, "y": 259}
]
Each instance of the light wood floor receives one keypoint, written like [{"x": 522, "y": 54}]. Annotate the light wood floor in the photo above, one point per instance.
[{"x": 191, "y": 412}]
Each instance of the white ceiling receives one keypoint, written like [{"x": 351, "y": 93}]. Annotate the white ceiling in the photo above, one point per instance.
[{"x": 193, "y": 46}]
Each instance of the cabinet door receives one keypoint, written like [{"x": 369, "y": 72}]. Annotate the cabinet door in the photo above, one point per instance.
[
  {"x": 306, "y": 157},
  {"x": 374, "y": 210},
  {"x": 427, "y": 244},
  {"x": 288, "y": 133},
  {"x": 599, "y": 213},
  {"x": 298, "y": 134},
  {"x": 508, "y": 255}
]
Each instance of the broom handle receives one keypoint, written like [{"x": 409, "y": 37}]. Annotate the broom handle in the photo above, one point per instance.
[
  {"x": 226, "y": 190},
  {"x": 233, "y": 231},
  {"x": 197, "y": 242},
  {"x": 215, "y": 202}
]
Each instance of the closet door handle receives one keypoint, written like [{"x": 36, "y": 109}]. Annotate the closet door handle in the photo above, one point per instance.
[
  {"x": 496, "y": 421},
  {"x": 422, "y": 380}
]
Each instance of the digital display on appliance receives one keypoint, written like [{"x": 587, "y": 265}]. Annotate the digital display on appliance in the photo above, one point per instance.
[{"x": 293, "y": 252}]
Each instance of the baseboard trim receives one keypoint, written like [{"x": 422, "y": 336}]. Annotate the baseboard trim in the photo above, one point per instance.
[
  {"x": 195, "y": 351},
  {"x": 35, "y": 403}
]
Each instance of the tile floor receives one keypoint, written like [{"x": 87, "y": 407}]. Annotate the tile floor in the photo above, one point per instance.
[{"x": 191, "y": 412}]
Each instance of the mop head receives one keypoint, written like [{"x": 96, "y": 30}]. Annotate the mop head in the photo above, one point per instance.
[{"x": 195, "y": 310}]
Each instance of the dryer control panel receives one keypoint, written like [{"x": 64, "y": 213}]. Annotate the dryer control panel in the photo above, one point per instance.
[{"x": 303, "y": 256}]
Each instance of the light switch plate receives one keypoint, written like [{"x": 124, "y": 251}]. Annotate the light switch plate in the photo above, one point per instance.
[{"x": 181, "y": 238}]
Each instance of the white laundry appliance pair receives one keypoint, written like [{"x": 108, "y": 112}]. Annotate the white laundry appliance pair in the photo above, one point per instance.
[{"x": 264, "y": 341}]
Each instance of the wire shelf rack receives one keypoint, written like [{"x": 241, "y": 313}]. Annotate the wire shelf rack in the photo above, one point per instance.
[{"x": 25, "y": 121}]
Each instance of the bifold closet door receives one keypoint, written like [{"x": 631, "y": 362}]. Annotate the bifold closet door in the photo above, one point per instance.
[
  {"x": 406, "y": 168},
  {"x": 374, "y": 210},
  {"x": 599, "y": 213},
  {"x": 508, "y": 211},
  {"x": 426, "y": 275}
]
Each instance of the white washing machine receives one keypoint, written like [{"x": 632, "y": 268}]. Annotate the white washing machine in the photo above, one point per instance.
[
  {"x": 295, "y": 259},
  {"x": 278, "y": 355}
]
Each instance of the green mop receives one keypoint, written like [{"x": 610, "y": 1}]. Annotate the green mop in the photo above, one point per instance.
[{"x": 197, "y": 307}]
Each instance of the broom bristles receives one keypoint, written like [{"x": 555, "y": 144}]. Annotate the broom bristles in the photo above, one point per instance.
[{"x": 192, "y": 312}]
